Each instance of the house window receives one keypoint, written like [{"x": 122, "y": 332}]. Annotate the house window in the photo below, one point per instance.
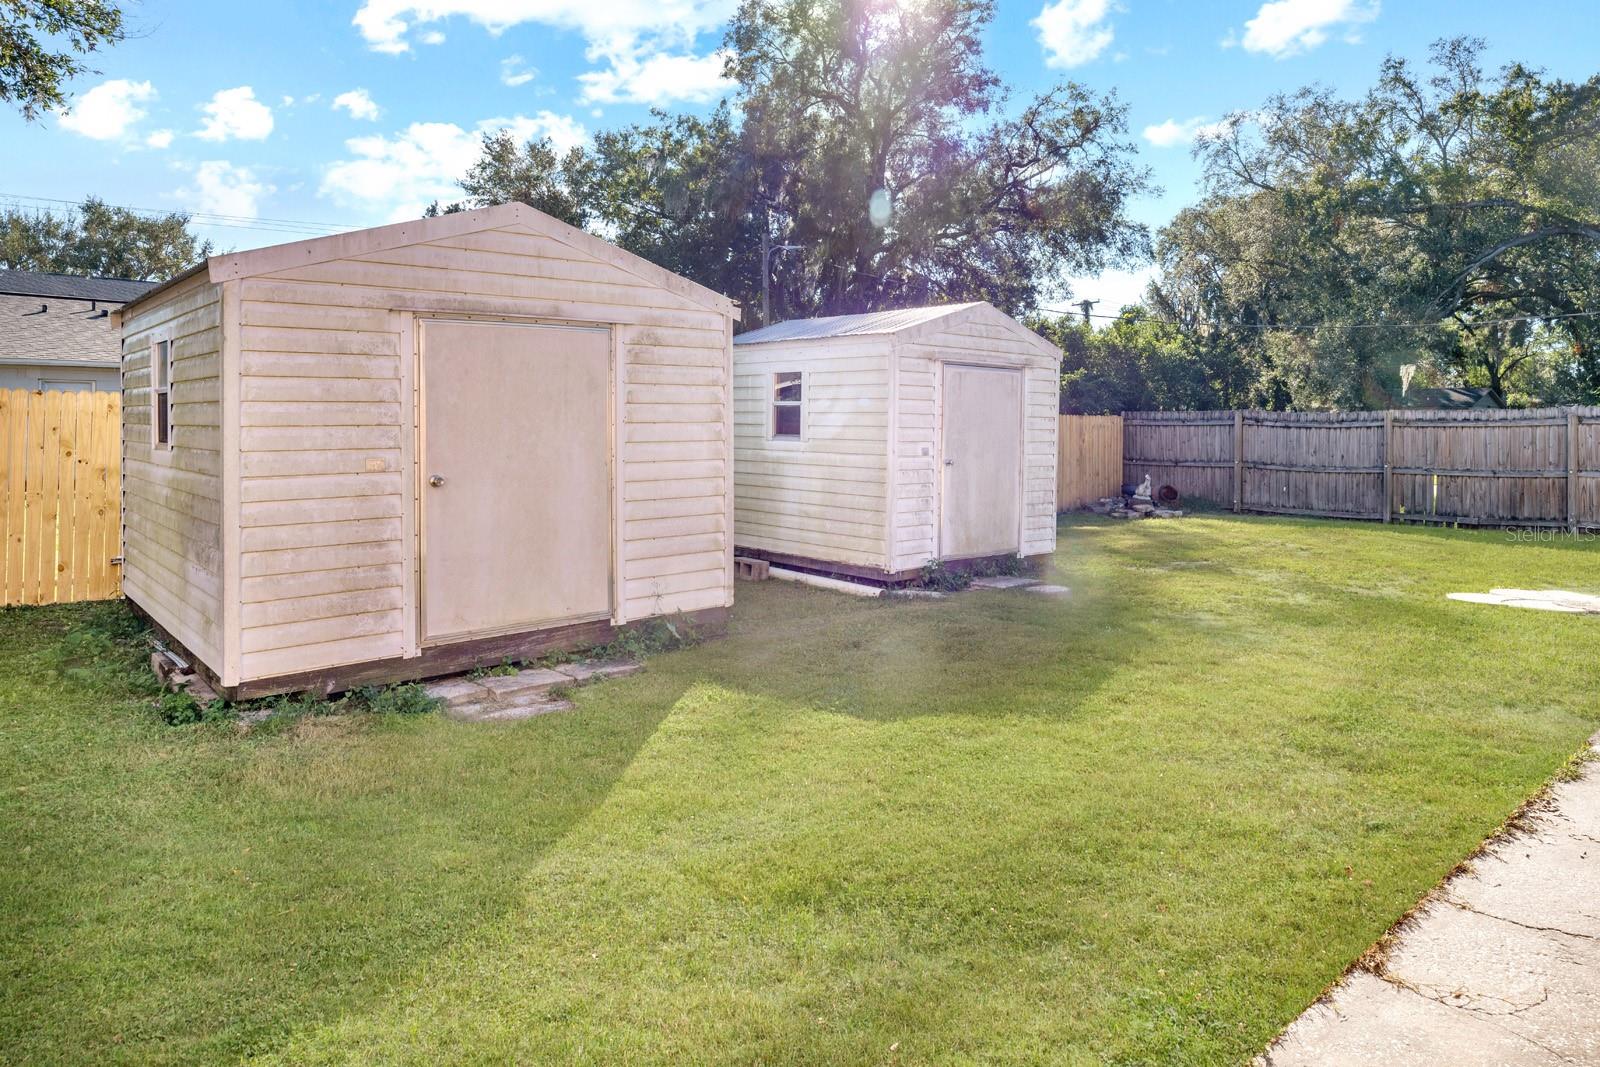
[
  {"x": 65, "y": 385},
  {"x": 161, "y": 393},
  {"x": 787, "y": 401}
]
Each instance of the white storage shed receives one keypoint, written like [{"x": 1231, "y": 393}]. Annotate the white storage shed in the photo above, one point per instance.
[
  {"x": 868, "y": 445},
  {"x": 415, "y": 449}
]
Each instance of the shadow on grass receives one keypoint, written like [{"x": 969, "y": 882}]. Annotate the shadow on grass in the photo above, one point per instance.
[{"x": 184, "y": 894}]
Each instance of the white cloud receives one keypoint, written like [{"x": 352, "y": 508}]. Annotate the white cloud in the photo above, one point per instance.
[
  {"x": 646, "y": 46},
  {"x": 656, "y": 79},
  {"x": 235, "y": 114},
  {"x": 396, "y": 177},
  {"x": 514, "y": 73},
  {"x": 1283, "y": 28},
  {"x": 358, "y": 102},
  {"x": 221, "y": 188},
  {"x": 1173, "y": 132},
  {"x": 431, "y": 37},
  {"x": 605, "y": 23},
  {"x": 106, "y": 112},
  {"x": 1074, "y": 32},
  {"x": 159, "y": 139}
]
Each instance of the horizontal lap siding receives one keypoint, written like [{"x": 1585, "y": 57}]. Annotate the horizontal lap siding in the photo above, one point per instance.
[
  {"x": 916, "y": 450},
  {"x": 824, "y": 497},
  {"x": 675, "y": 465},
  {"x": 995, "y": 342},
  {"x": 1042, "y": 454},
  {"x": 322, "y": 480},
  {"x": 172, "y": 499}
]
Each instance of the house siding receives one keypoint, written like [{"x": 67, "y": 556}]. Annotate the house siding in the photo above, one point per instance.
[
  {"x": 823, "y": 497},
  {"x": 172, "y": 498}
]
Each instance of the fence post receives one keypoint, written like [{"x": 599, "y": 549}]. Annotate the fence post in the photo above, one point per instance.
[
  {"x": 1572, "y": 470},
  {"x": 1388, "y": 466},
  {"x": 1238, "y": 461}
]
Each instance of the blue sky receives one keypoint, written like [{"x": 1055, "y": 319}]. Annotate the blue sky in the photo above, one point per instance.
[{"x": 300, "y": 118}]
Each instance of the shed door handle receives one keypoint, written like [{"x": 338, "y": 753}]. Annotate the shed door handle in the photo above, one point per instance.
[
  {"x": 949, "y": 463},
  {"x": 436, "y": 481}
]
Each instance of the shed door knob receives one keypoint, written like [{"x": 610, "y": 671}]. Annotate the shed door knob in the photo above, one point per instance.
[
  {"x": 949, "y": 463},
  {"x": 436, "y": 481}
]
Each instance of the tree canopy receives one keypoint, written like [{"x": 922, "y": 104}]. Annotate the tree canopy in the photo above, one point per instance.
[
  {"x": 875, "y": 138},
  {"x": 41, "y": 42},
  {"x": 99, "y": 239},
  {"x": 1445, "y": 219}
]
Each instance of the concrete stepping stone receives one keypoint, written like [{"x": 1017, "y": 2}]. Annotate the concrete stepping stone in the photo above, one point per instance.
[
  {"x": 1003, "y": 581},
  {"x": 457, "y": 691},
  {"x": 1049, "y": 590},
  {"x": 588, "y": 670},
  {"x": 523, "y": 695},
  {"x": 504, "y": 685},
  {"x": 521, "y": 707}
]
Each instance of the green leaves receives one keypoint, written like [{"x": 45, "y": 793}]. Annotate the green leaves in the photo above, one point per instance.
[
  {"x": 99, "y": 239},
  {"x": 31, "y": 74}
]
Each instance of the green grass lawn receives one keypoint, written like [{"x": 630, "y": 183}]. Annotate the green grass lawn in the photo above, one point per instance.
[{"x": 1145, "y": 824}]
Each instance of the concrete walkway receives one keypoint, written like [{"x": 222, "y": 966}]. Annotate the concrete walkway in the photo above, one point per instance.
[{"x": 1502, "y": 968}]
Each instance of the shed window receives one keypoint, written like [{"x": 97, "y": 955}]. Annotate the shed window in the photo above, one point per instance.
[
  {"x": 787, "y": 400},
  {"x": 161, "y": 393}
]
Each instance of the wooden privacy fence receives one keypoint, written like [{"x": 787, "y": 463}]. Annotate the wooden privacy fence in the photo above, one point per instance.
[
  {"x": 1089, "y": 459},
  {"x": 1535, "y": 467},
  {"x": 60, "y": 475}
]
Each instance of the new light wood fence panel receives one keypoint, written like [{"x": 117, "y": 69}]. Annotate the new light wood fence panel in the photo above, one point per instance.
[
  {"x": 1491, "y": 467},
  {"x": 1089, "y": 466},
  {"x": 60, "y": 470}
]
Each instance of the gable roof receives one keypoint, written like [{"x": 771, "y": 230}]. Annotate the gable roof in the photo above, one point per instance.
[
  {"x": 72, "y": 286},
  {"x": 910, "y": 323},
  {"x": 416, "y": 231},
  {"x": 849, "y": 325}
]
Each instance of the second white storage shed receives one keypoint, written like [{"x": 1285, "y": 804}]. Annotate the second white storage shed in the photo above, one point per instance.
[{"x": 871, "y": 444}]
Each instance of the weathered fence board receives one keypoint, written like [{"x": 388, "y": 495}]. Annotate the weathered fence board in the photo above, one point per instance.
[
  {"x": 1089, "y": 461},
  {"x": 1514, "y": 468},
  {"x": 60, "y": 471}
]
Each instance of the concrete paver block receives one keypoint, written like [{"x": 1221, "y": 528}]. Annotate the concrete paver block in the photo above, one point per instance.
[
  {"x": 1003, "y": 581},
  {"x": 590, "y": 669},
  {"x": 522, "y": 681},
  {"x": 455, "y": 691}
]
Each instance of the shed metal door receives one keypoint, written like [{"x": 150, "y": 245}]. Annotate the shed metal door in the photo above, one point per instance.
[
  {"x": 516, "y": 477},
  {"x": 981, "y": 506}
]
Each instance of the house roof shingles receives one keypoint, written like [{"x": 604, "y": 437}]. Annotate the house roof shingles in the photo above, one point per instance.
[
  {"x": 60, "y": 318},
  {"x": 71, "y": 286}
]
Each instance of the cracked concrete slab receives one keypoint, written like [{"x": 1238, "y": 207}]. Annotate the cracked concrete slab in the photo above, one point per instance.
[{"x": 1502, "y": 967}]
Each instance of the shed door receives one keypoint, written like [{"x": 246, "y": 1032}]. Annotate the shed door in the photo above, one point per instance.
[
  {"x": 981, "y": 506},
  {"x": 516, "y": 477}
]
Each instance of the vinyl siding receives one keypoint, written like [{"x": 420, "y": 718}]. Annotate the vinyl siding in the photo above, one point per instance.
[
  {"x": 822, "y": 497},
  {"x": 172, "y": 499},
  {"x": 324, "y": 466},
  {"x": 981, "y": 336}
]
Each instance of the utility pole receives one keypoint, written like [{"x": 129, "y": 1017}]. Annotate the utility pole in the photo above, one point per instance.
[
  {"x": 768, "y": 250},
  {"x": 1084, "y": 306}
]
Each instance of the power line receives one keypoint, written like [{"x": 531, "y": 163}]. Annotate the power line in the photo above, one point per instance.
[
  {"x": 210, "y": 218},
  {"x": 1313, "y": 327}
]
